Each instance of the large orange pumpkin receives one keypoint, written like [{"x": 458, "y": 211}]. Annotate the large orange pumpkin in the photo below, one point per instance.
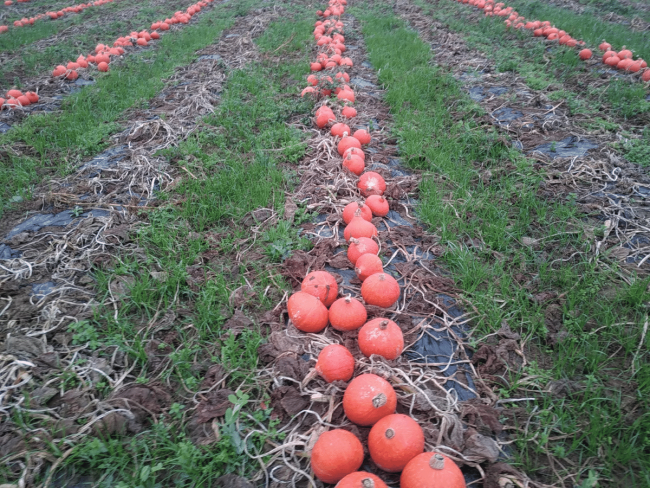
[
  {"x": 371, "y": 183},
  {"x": 394, "y": 440},
  {"x": 322, "y": 285},
  {"x": 336, "y": 454},
  {"x": 307, "y": 312},
  {"x": 432, "y": 470},
  {"x": 368, "y": 398}
]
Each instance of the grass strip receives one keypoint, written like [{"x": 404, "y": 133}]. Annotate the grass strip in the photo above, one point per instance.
[
  {"x": 238, "y": 173},
  {"x": 59, "y": 141},
  {"x": 507, "y": 247}
]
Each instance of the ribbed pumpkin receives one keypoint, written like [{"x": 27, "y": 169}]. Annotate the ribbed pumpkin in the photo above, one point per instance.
[
  {"x": 322, "y": 285},
  {"x": 307, "y": 312},
  {"x": 432, "y": 470},
  {"x": 380, "y": 289},
  {"x": 335, "y": 363},
  {"x": 347, "y": 314},
  {"x": 356, "y": 151},
  {"x": 362, "y": 135},
  {"x": 361, "y": 479},
  {"x": 394, "y": 440},
  {"x": 371, "y": 183},
  {"x": 367, "y": 265},
  {"x": 346, "y": 143},
  {"x": 350, "y": 211},
  {"x": 359, "y": 247},
  {"x": 382, "y": 337},
  {"x": 339, "y": 129},
  {"x": 354, "y": 164},
  {"x": 378, "y": 204},
  {"x": 368, "y": 398},
  {"x": 336, "y": 454},
  {"x": 359, "y": 227}
]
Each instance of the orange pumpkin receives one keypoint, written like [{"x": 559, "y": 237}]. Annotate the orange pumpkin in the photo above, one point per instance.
[
  {"x": 378, "y": 205},
  {"x": 338, "y": 130},
  {"x": 646, "y": 75},
  {"x": 349, "y": 112},
  {"x": 14, "y": 94},
  {"x": 324, "y": 116},
  {"x": 625, "y": 54},
  {"x": 368, "y": 398},
  {"x": 347, "y": 142},
  {"x": 72, "y": 75},
  {"x": 362, "y": 135},
  {"x": 371, "y": 183},
  {"x": 359, "y": 227},
  {"x": 361, "y": 479},
  {"x": 307, "y": 312},
  {"x": 347, "y": 314},
  {"x": 605, "y": 46},
  {"x": 359, "y": 247},
  {"x": 336, "y": 454},
  {"x": 585, "y": 54},
  {"x": 322, "y": 285},
  {"x": 354, "y": 164},
  {"x": 23, "y": 100},
  {"x": 394, "y": 440},
  {"x": 382, "y": 337},
  {"x": 367, "y": 265},
  {"x": 335, "y": 363},
  {"x": 346, "y": 95},
  {"x": 355, "y": 151},
  {"x": 381, "y": 290},
  {"x": 103, "y": 67},
  {"x": 432, "y": 470},
  {"x": 350, "y": 210}
]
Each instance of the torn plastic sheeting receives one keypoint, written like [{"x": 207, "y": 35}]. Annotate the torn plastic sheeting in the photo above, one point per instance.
[
  {"x": 38, "y": 221},
  {"x": 569, "y": 147},
  {"x": 41, "y": 290},
  {"x": 476, "y": 93},
  {"x": 366, "y": 64},
  {"x": 106, "y": 159},
  {"x": 4, "y": 127},
  {"x": 7, "y": 253},
  {"x": 361, "y": 83},
  {"x": 507, "y": 114},
  {"x": 643, "y": 190}
]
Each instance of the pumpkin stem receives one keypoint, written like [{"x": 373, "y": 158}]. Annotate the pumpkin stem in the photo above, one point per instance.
[
  {"x": 390, "y": 433},
  {"x": 367, "y": 483},
  {"x": 354, "y": 240},
  {"x": 379, "y": 401},
  {"x": 383, "y": 324},
  {"x": 437, "y": 461},
  {"x": 348, "y": 299}
]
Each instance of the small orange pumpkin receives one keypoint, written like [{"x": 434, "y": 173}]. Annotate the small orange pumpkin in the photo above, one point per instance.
[
  {"x": 14, "y": 94},
  {"x": 359, "y": 227},
  {"x": 646, "y": 75},
  {"x": 367, "y": 265},
  {"x": 380, "y": 289},
  {"x": 335, "y": 363},
  {"x": 371, "y": 183},
  {"x": 394, "y": 440},
  {"x": 362, "y": 135},
  {"x": 72, "y": 75},
  {"x": 382, "y": 337},
  {"x": 307, "y": 312},
  {"x": 349, "y": 112},
  {"x": 354, "y": 164},
  {"x": 322, "y": 285},
  {"x": 103, "y": 67},
  {"x": 350, "y": 210},
  {"x": 605, "y": 46},
  {"x": 361, "y": 479},
  {"x": 432, "y": 470},
  {"x": 23, "y": 100},
  {"x": 585, "y": 54},
  {"x": 347, "y": 314},
  {"x": 368, "y": 398},
  {"x": 625, "y": 54},
  {"x": 378, "y": 205},
  {"x": 359, "y": 247},
  {"x": 356, "y": 152},
  {"x": 347, "y": 142},
  {"x": 336, "y": 454},
  {"x": 339, "y": 129}
]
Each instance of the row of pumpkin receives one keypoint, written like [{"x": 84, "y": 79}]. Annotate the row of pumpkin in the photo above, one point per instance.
[
  {"x": 396, "y": 442},
  {"x": 24, "y": 22},
  {"x": 623, "y": 59},
  {"x": 104, "y": 54}
]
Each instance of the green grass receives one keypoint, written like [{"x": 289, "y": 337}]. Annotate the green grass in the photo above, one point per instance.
[
  {"x": 59, "y": 141},
  {"x": 238, "y": 173},
  {"x": 627, "y": 10},
  {"x": 501, "y": 275}
]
